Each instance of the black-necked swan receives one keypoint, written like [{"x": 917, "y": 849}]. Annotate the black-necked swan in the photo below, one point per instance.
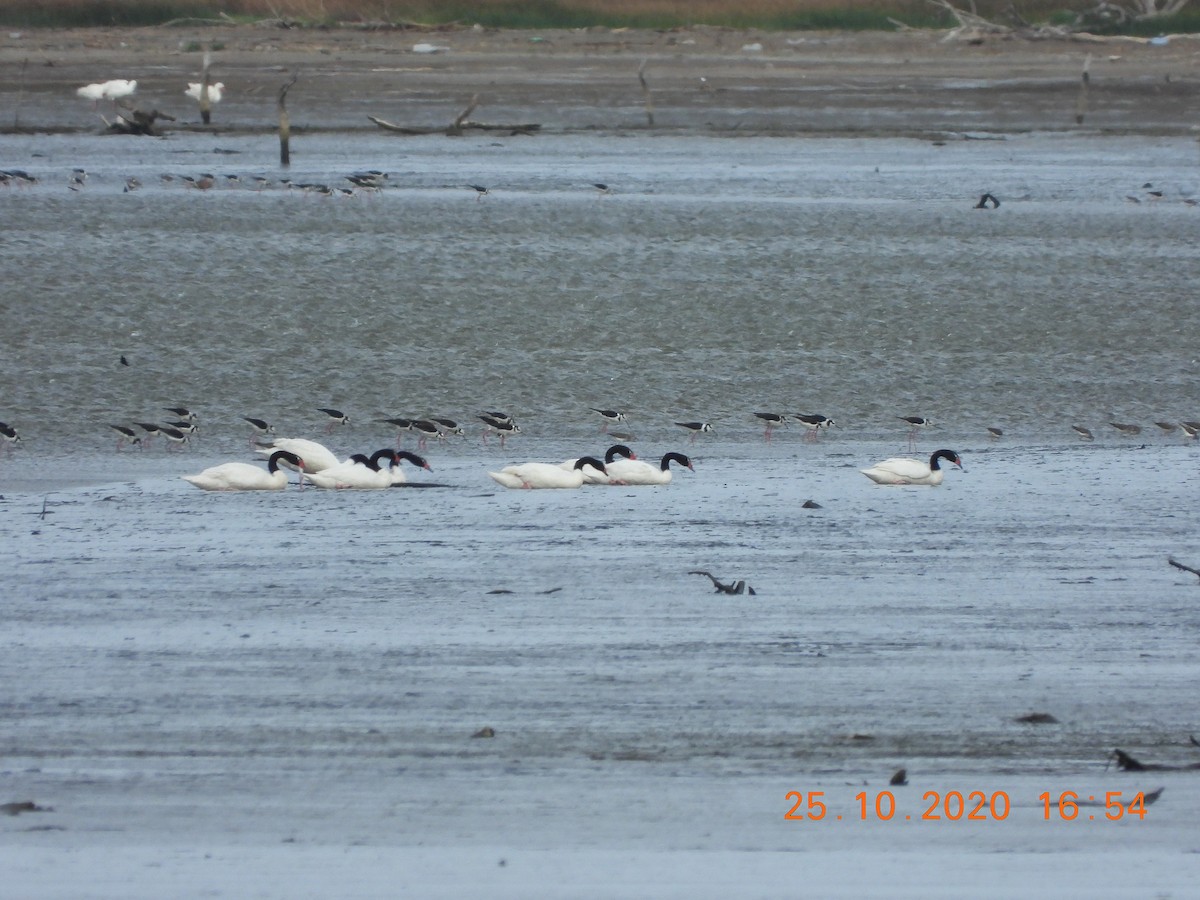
[
  {"x": 240, "y": 476},
  {"x": 545, "y": 475},
  {"x": 636, "y": 471},
  {"x": 902, "y": 470}
]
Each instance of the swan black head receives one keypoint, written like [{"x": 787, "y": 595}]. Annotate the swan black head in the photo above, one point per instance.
[
  {"x": 412, "y": 458},
  {"x": 590, "y": 461},
  {"x": 678, "y": 458},
  {"x": 283, "y": 456},
  {"x": 948, "y": 455},
  {"x": 618, "y": 450}
]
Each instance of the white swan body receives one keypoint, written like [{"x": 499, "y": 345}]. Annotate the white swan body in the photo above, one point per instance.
[
  {"x": 638, "y": 472},
  {"x": 357, "y": 473},
  {"x": 317, "y": 457},
  {"x": 903, "y": 470},
  {"x": 545, "y": 475},
  {"x": 240, "y": 476},
  {"x": 214, "y": 91},
  {"x": 593, "y": 475}
]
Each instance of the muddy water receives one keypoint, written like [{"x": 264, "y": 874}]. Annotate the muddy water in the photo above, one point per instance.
[{"x": 251, "y": 649}]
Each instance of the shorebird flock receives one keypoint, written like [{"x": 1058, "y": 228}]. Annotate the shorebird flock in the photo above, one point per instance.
[
  {"x": 355, "y": 184},
  {"x": 176, "y": 427}
]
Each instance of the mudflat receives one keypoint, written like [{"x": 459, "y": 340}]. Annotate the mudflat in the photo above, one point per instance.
[{"x": 698, "y": 79}]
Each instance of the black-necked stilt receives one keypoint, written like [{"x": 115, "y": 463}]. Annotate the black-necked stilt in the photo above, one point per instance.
[
  {"x": 915, "y": 424},
  {"x": 1126, "y": 430},
  {"x": 1085, "y": 433},
  {"x": 336, "y": 417},
  {"x": 610, "y": 417},
  {"x": 183, "y": 412},
  {"x": 501, "y": 424},
  {"x": 773, "y": 421},
  {"x": 480, "y": 191},
  {"x": 987, "y": 201},
  {"x": 373, "y": 180},
  {"x": 175, "y": 437},
  {"x": 189, "y": 428},
  {"x": 449, "y": 426},
  {"x": 814, "y": 422},
  {"x": 150, "y": 429},
  {"x": 696, "y": 428},
  {"x": 402, "y": 425},
  {"x": 78, "y": 178},
  {"x": 994, "y": 432},
  {"x": 9, "y": 434},
  {"x": 259, "y": 426},
  {"x": 426, "y": 429},
  {"x": 127, "y": 435}
]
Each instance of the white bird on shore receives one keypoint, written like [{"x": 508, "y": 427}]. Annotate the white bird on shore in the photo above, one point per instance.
[
  {"x": 637, "y": 472},
  {"x": 240, "y": 476},
  {"x": 107, "y": 90},
  {"x": 214, "y": 91},
  {"x": 118, "y": 88},
  {"x": 534, "y": 475},
  {"x": 903, "y": 470}
]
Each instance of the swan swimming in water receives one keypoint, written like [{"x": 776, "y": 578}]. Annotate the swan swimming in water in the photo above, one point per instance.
[
  {"x": 636, "y": 471},
  {"x": 240, "y": 476},
  {"x": 545, "y": 475},
  {"x": 595, "y": 476},
  {"x": 398, "y": 476},
  {"x": 902, "y": 470},
  {"x": 358, "y": 472},
  {"x": 317, "y": 457}
]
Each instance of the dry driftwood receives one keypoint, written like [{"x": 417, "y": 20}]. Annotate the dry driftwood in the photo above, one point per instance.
[
  {"x": 1127, "y": 763},
  {"x": 461, "y": 124},
  {"x": 132, "y": 120}
]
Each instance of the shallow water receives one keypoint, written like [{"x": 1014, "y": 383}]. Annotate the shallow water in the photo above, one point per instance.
[
  {"x": 312, "y": 665},
  {"x": 723, "y": 277}
]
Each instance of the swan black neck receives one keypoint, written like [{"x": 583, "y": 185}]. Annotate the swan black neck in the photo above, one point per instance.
[
  {"x": 386, "y": 452},
  {"x": 590, "y": 461},
  {"x": 675, "y": 457},
  {"x": 618, "y": 450},
  {"x": 418, "y": 461},
  {"x": 948, "y": 455},
  {"x": 292, "y": 458}
]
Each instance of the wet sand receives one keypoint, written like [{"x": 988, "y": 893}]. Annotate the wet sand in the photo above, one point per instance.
[{"x": 703, "y": 80}]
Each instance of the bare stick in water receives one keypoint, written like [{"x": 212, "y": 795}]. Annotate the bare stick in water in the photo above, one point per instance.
[
  {"x": 1081, "y": 104},
  {"x": 205, "y": 102},
  {"x": 285, "y": 128},
  {"x": 646, "y": 94}
]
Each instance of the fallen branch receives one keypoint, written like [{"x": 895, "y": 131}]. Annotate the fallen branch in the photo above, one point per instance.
[
  {"x": 455, "y": 129},
  {"x": 1127, "y": 763},
  {"x": 135, "y": 121}
]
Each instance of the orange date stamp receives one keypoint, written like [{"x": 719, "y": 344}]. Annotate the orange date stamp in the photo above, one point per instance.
[{"x": 969, "y": 806}]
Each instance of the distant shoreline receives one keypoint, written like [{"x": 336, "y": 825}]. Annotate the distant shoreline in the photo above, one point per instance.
[{"x": 697, "y": 80}]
